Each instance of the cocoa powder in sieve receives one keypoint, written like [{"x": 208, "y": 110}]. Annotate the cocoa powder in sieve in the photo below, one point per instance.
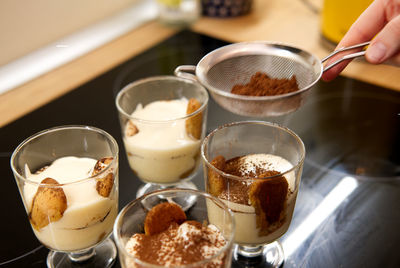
[{"x": 262, "y": 85}]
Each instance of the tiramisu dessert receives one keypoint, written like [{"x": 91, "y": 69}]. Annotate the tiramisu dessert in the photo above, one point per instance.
[
  {"x": 172, "y": 240},
  {"x": 70, "y": 210},
  {"x": 261, "y": 199},
  {"x": 162, "y": 146}
]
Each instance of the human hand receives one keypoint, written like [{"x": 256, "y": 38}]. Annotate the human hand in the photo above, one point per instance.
[{"x": 382, "y": 20}]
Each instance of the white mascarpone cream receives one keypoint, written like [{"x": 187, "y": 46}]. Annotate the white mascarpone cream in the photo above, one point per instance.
[
  {"x": 247, "y": 232},
  {"x": 162, "y": 152},
  {"x": 89, "y": 217}
]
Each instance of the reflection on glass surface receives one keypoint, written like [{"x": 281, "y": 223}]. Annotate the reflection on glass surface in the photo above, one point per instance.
[{"x": 335, "y": 197}]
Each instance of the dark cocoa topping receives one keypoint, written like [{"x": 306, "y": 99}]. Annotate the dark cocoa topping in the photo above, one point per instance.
[
  {"x": 262, "y": 85},
  {"x": 273, "y": 192},
  {"x": 167, "y": 248},
  {"x": 237, "y": 192},
  {"x": 268, "y": 196},
  {"x": 176, "y": 241}
]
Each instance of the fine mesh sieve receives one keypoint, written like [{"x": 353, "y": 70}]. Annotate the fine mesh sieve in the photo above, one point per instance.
[{"x": 234, "y": 64}]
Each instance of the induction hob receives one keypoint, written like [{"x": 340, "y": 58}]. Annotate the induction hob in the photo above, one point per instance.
[{"x": 347, "y": 212}]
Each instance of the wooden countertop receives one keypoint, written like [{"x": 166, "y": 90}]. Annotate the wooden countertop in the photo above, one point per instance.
[{"x": 288, "y": 21}]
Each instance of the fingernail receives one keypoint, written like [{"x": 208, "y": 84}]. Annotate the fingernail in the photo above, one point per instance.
[{"x": 377, "y": 52}]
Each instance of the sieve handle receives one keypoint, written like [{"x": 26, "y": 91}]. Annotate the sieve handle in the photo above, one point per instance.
[
  {"x": 346, "y": 57},
  {"x": 186, "y": 71}
]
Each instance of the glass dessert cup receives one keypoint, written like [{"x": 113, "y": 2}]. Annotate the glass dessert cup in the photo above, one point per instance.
[
  {"x": 68, "y": 180},
  {"x": 132, "y": 220},
  {"x": 255, "y": 168},
  {"x": 163, "y": 121}
]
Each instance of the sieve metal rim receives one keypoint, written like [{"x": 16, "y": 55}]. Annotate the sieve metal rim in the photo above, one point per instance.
[{"x": 252, "y": 48}]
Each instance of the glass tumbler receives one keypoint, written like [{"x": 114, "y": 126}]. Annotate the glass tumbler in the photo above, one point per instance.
[
  {"x": 254, "y": 167},
  {"x": 131, "y": 220},
  {"x": 162, "y": 131},
  {"x": 67, "y": 177}
]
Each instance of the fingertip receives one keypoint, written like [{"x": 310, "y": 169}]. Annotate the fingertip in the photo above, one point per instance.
[{"x": 376, "y": 53}]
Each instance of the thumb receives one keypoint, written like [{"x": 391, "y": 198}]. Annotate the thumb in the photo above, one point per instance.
[{"x": 386, "y": 44}]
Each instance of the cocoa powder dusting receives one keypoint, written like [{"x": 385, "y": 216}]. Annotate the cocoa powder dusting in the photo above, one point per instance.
[
  {"x": 182, "y": 244},
  {"x": 268, "y": 196},
  {"x": 262, "y": 85}
]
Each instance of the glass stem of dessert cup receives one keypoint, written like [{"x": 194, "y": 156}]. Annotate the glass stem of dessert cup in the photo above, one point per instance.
[
  {"x": 151, "y": 187},
  {"x": 185, "y": 202},
  {"x": 82, "y": 256},
  {"x": 102, "y": 255},
  {"x": 270, "y": 255}
]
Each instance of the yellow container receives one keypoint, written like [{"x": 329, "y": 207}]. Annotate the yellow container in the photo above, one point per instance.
[{"x": 339, "y": 15}]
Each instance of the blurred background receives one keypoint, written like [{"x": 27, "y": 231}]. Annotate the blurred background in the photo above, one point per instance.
[
  {"x": 49, "y": 33},
  {"x": 30, "y": 25}
]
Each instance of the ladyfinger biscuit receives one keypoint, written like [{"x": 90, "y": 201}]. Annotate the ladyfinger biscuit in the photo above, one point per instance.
[
  {"x": 105, "y": 183},
  {"x": 268, "y": 197},
  {"x": 48, "y": 205},
  {"x": 131, "y": 129},
  {"x": 161, "y": 216},
  {"x": 194, "y": 124},
  {"x": 216, "y": 182}
]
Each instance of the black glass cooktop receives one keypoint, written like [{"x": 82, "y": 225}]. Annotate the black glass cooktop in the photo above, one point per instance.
[{"x": 347, "y": 213}]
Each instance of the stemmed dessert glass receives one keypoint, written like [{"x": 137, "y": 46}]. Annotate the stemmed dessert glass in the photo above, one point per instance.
[
  {"x": 163, "y": 147},
  {"x": 73, "y": 217},
  {"x": 255, "y": 168},
  {"x": 131, "y": 220}
]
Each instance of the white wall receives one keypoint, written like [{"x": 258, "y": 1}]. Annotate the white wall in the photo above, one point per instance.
[{"x": 27, "y": 25}]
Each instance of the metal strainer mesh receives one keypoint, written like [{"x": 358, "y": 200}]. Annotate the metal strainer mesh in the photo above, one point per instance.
[
  {"x": 236, "y": 65},
  {"x": 233, "y": 64}
]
